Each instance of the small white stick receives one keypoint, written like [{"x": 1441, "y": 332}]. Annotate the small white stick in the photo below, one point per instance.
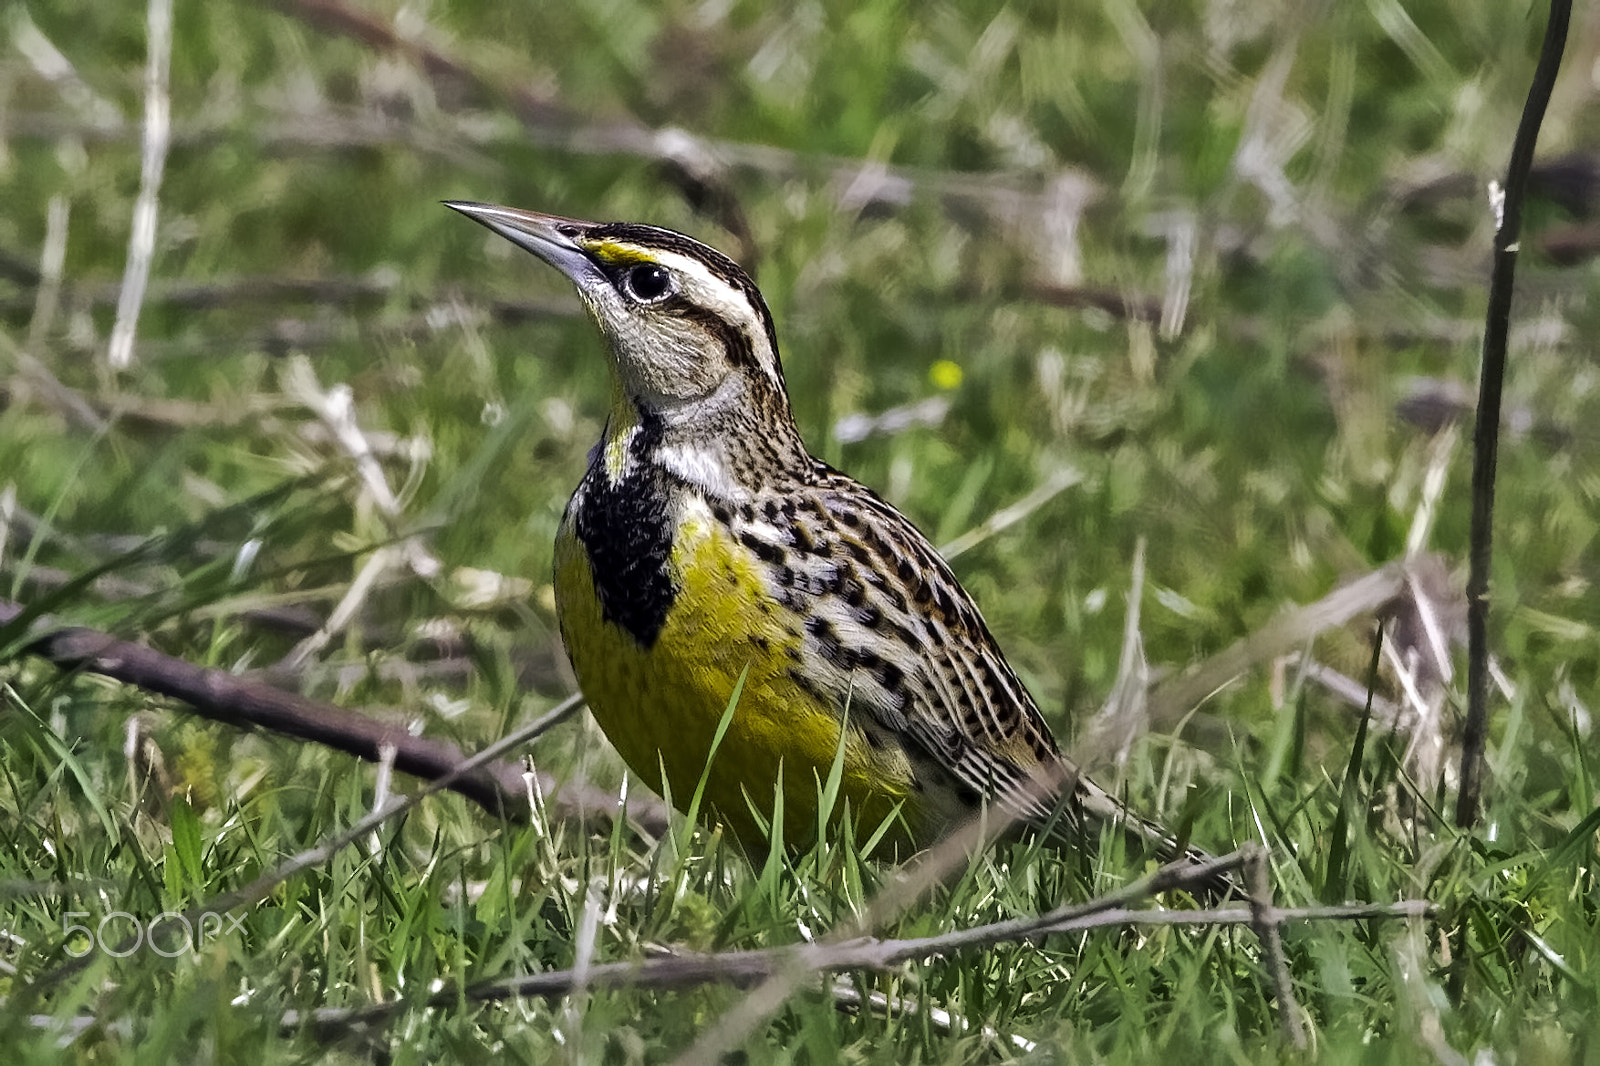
[{"x": 157, "y": 134}]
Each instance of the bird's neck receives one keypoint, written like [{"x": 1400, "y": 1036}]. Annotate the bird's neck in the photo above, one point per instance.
[{"x": 730, "y": 454}]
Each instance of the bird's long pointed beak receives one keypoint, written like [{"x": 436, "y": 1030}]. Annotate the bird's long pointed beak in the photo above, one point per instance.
[{"x": 550, "y": 237}]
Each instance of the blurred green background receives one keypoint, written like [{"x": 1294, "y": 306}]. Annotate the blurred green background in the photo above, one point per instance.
[{"x": 1207, "y": 276}]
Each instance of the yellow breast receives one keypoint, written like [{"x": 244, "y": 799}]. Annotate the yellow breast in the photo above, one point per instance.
[{"x": 661, "y": 705}]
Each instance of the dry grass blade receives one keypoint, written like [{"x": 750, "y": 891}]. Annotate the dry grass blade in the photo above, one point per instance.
[
  {"x": 1006, "y": 517},
  {"x": 848, "y": 997},
  {"x": 157, "y": 130},
  {"x": 1175, "y": 697},
  {"x": 1125, "y": 715}
]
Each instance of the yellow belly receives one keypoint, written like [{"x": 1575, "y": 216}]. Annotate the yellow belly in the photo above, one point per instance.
[{"x": 661, "y": 706}]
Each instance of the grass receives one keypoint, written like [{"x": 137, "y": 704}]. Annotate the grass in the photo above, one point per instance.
[{"x": 1274, "y": 443}]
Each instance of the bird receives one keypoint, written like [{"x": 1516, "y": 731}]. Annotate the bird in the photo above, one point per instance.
[{"x": 743, "y": 619}]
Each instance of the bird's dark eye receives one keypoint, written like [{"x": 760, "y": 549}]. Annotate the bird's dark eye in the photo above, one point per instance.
[{"x": 648, "y": 283}]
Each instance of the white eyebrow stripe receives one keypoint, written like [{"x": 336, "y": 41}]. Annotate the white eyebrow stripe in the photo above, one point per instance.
[{"x": 704, "y": 288}]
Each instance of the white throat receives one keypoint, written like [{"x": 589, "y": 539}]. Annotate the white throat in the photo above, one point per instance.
[{"x": 703, "y": 465}]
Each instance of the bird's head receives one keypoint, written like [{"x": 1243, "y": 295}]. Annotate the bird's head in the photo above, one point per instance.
[{"x": 690, "y": 335}]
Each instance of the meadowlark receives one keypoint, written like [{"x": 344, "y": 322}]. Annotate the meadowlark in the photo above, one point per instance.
[{"x": 706, "y": 550}]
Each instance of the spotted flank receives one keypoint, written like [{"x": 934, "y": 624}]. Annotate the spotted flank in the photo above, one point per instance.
[{"x": 706, "y": 546}]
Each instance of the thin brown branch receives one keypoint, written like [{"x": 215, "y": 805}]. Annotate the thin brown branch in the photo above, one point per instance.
[
  {"x": 1119, "y": 304},
  {"x": 232, "y": 293},
  {"x": 497, "y": 787},
  {"x": 468, "y": 150},
  {"x": 1572, "y": 181},
  {"x": 747, "y": 968},
  {"x": 1347, "y": 690},
  {"x": 1431, "y": 404},
  {"x": 736, "y": 1025},
  {"x": 435, "y": 658},
  {"x": 34, "y": 378},
  {"x": 1267, "y": 921}
]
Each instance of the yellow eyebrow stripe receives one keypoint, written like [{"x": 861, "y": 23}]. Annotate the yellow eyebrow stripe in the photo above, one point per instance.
[{"x": 619, "y": 254}]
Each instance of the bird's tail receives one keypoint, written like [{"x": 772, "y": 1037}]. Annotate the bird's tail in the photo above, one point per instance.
[{"x": 1100, "y": 807}]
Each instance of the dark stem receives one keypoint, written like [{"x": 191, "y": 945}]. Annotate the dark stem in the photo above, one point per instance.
[{"x": 1486, "y": 435}]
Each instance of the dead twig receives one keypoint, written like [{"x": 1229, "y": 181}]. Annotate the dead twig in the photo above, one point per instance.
[
  {"x": 1118, "y": 303},
  {"x": 803, "y": 961},
  {"x": 1057, "y": 483},
  {"x": 438, "y": 657},
  {"x": 1267, "y": 921},
  {"x": 1123, "y": 717},
  {"x": 224, "y": 697},
  {"x": 789, "y": 972}
]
